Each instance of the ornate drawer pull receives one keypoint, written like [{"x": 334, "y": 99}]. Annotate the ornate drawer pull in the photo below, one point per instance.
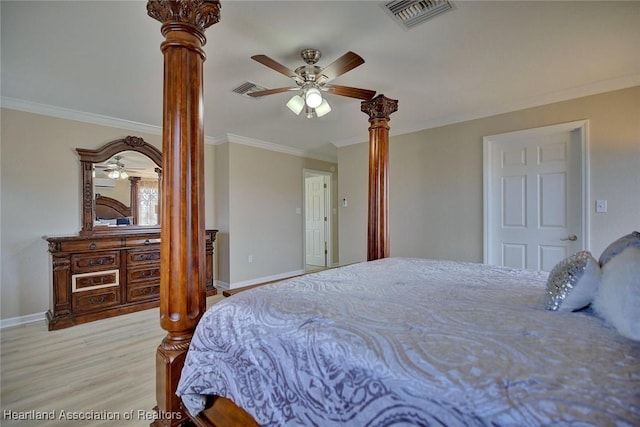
[
  {"x": 100, "y": 281},
  {"x": 92, "y": 245},
  {"x": 147, "y": 242},
  {"x": 100, "y": 300},
  {"x": 93, "y": 262}
]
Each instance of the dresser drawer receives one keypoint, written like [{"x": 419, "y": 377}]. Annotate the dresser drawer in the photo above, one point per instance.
[
  {"x": 148, "y": 273},
  {"x": 91, "y": 281},
  {"x": 143, "y": 257},
  {"x": 90, "y": 245},
  {"x": 108, "y": 272},
  {"x": 83, "y": 263},
  {"x": 143, "y": 292},
  {"x": 96, "y": 300},
  {"x": 142, "y": 241}
]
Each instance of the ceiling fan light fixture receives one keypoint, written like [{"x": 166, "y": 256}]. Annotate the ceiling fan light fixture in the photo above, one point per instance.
[
  {"x": 117, "y": 169},
  {"x": 310, "y": 80},
  {"x": 296, "y": 104},
  {"x": 313, "y": 97},
  {"x": 323, "y": 108}
]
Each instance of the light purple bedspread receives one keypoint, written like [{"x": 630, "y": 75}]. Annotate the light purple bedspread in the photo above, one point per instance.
[{"x": 404, "y": 341}]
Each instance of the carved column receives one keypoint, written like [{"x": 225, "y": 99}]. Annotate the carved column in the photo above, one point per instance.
[
  {"x": 379, "y": 109},
  {"x": 182, "y": 250},
  {"x": 61, "y": 298},
  {"x": 133, "y": 198},
  {"x": 159, "y": 206},
  {"x": 88, "y": 205}
]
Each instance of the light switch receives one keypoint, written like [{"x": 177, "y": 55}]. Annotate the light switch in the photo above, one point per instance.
[
  {"x": 299, "y": 211},
  {"x": 344, "y": 203},
  {"x": 601, "y": 206}
]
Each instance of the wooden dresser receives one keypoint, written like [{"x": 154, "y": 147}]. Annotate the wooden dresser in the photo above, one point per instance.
[{"x": 100, "y": 276}]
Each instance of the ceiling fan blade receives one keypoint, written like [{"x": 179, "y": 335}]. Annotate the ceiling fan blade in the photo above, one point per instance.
[
  {"x": 346, "y": 62},
  {"x": 265, "y": 60},
  {"x": 271, "y": 91},
  {"x": 351, "y": 92}
]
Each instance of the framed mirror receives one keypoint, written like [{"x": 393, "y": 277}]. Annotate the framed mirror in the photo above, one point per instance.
[{"x": 121, "y": 184}]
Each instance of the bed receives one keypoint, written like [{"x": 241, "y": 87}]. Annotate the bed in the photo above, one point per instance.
[
  {"x": 384, "y": 342},
  {"x": 402, "y": 341},
  {"x": 110, "y": 210}
]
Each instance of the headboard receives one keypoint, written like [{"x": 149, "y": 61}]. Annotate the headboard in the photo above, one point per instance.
[{"x": 109, "y": 208}]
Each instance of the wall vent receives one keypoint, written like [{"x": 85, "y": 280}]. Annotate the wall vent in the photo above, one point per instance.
[
  {"x": 410, "y": 13},
  {"x": 248, "y": 87}
]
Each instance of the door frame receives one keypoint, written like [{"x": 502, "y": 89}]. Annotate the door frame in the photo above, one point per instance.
[
  {"x": 582, "y": 126},
  {"x": 328, "y": 231}
]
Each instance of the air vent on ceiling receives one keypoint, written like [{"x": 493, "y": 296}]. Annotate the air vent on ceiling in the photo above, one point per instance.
[
  {"x": 410, "y": 13},
  {"x": 248, "y": 87}
]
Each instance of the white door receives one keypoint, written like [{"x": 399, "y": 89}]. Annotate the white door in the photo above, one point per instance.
[
  {"x": 315, "y": 221},
  {"x": 535, "y": 196}
]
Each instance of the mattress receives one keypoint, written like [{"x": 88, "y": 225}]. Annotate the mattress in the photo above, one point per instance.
[{"x": 403, "y": 341}]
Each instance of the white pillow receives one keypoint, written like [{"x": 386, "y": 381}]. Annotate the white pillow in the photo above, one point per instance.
[
  {"x": 618, "y": 299},
  {"x": 573, "y": 282},
  {"x": 619, "y": 245}
]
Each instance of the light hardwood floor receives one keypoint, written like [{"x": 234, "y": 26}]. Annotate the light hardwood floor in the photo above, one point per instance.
[{"x": 103, "y": 369}]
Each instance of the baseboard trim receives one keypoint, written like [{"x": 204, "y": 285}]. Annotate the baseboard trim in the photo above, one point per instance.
[
  {"x": 221, "y": 285},
  {"x": 265, "y": 279},
  {"x": 36, "y": 317},
  {"x": 22, "y": 320}
]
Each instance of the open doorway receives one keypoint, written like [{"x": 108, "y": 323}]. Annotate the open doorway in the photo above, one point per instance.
[{"x": 317, "y": 220}]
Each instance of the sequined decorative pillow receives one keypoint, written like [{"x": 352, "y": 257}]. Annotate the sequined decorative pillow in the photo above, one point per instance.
[
  {"x": 618, "y": 298},
  {"x": 573, "y": 282},
  {"x": 632, "y": 239}
]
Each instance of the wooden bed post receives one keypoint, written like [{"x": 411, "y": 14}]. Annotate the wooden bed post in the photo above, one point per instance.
[
  {"x": 182, "y": 248},
  {"x": 379, "y": 109}
]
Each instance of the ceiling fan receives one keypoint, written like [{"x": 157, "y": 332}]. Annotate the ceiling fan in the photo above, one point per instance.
[
  {"x": 115, "y": 169},
  {"x": 311, "y": 80}
]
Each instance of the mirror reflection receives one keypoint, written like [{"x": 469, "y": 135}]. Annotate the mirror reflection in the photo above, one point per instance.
[{"x": 126, "y": 190}]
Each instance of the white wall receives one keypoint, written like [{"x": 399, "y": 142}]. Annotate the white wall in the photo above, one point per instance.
[
  {"x": 251, "y": 195},
  {"x": 257, "y": 193},
  {"x": 221, "y": 180},
  {"x": 41, "y": 196},
  {"x": 121, "y": 191},
  {"x": 436, "y": 179},
  {"x": 354, "y": 186}
]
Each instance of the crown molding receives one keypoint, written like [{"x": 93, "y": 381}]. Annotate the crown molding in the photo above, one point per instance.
[
  {"x": 355, "y": 140},
  {"x": 515, "y": 105},
  {"x": 79, "y": 116},
  {"x": 113, "y": 122},
  {"x": 257, "y": 143}
]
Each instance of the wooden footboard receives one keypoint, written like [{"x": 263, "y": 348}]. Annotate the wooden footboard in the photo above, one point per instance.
[{"x": 221, "y": 412}]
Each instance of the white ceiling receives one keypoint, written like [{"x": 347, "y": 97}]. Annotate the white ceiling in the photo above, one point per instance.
[{"x": 481, "y": 58}]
